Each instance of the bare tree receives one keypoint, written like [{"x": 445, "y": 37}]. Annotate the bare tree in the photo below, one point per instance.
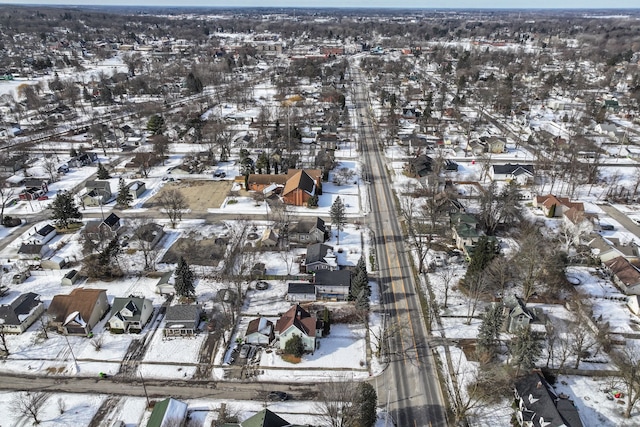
[
  {"x": 173, "y": 203},
  {"x": 29, "y": 404},
  {"x": 628, "y": 362},
  {"x": 50, "y": 165},
  {"x": 144, "y": 235},
  {"x": 335, "y": 403},
  {"x": 4, "y": 350},
  {"x": 446, "y": 275},
  {"x": 6, "y": 194},
  {"x": 583, "y": 341}
]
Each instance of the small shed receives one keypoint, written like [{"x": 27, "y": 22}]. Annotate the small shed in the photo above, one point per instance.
[
  {"x": 70, "y": 278},
  {"x": 166, "y": 284},
  {"x": 53, "y": 263}
]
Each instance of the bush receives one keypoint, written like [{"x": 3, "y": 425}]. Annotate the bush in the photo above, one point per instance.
[
  {"x": 10, "y": 221},
  {"x": 295, "y": 346}
]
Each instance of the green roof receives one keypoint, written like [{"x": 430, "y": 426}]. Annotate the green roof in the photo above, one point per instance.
[
  {"x": 264, "y": 418},
  {"x": 167, "y": 410}
]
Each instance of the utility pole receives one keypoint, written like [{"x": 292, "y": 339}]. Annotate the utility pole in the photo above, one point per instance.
[{"x": 144, "y": 387}]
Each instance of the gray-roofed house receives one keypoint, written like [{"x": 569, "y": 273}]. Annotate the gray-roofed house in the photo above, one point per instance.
[
  {"x": 539, "y": 405},
  {"x": 320, "y": 257},
  {"x": 112, "y": 222},
  {"x": 17, "y": 316},
  {"x": 32, "y": 251},
  {"x": 136, "y": 188},
  {"x": 269, "y": 238},
  {"x": 129, "y": 314},
  {"x": 44, "y": 235},
  {"x": 311, "y": 230},
  {"x": 146, "y": 237},
  {"x": 301, "y": 292},
  {"x": 181, "y": 320},
  {"x": 522, "y": 174},
  {"x": 260, "y": 331},
  {"x": 332, "y": 285},
  {"x": 264, "y": 418}
]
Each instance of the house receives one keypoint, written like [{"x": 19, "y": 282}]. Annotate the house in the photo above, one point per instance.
[
  {"x": 78, "y": 312},
  {"x": 301, "y": 186},
  {"x": 259, "y": 332},
  {"x": 517, "y": 315},
  {"x": 181, "y": 320},
  {"x": 522, "y": 174},
  {"x": 465, "y": 230},
  {"x": 320, "y": 257},
  {"x": 264, "y": 418},
  {"x": 420, "y": 166},
  {"x": 625, "y": 275},
  {"x": 112, "y": 223},
  {"x": 298, "y": 321},
  {"x": 168, "y": 413},
  {"x": 556, "y": 207},
  {"x": 495, "y": 145},
  {"x": 70, "y": 278},
  {"x": 31, "y": 193},
  {"x": 136, "y": 189},
  {"x": 269, "y": 238},
  {"x": 610, "y": 248},
  {"x": 97, "y": 193},
  {"x": 17, "y": 316},
  {"x": 43, "y": 235},
  {"x": 301, "y": 292},
  {"x": 32, "y": 251},
  {"x": 166, "y": 284},
  {"x": 129, "y": 314},
  {"x": 147, "y": 236},
  {"x": 311, "y": 230},
  {"x": 332, "y": 285},
  {"x": 539, "y": 405},
  {"x": 633, "y": 302}
]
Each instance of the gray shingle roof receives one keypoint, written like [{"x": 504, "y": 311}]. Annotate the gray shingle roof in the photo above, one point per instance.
[{"x": 21, "y": 306}]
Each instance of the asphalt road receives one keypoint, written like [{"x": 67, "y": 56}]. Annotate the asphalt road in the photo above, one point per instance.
[{"x": 409, "y": 386}]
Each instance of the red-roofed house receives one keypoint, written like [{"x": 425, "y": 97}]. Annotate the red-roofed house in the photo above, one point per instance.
[
  {"x": 553, "y": 206},
  {"x": 298, "y": 321},
  {"x": 625, "y": 275}
]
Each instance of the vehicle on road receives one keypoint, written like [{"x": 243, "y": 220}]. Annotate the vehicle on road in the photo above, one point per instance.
[{"x": 275, "y": 396}]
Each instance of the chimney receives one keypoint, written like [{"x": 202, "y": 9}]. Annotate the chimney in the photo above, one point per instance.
[{"x": 539, "y": 385}]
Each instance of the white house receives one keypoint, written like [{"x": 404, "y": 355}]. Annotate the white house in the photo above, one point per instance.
[
  {"x": 43, "y": 235},
  {"x": 130, "y": 314},
  {"x": 298, "y": 321},
  {"x": 259, "y": 332},
  {"x": 21, "y": 313}
]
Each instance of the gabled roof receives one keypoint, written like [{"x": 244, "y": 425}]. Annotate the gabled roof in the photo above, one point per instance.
[
  {"x": 298, "y": 317},
  {"x": 133, "y": 304},
  {"x": 265, "y": 418},
  {"x": 317, "y": 252},
  {"x": 182, "y": 313},
  {"x": 301, "y": 288},
  {"x": 111, "y": 220},
  {"x": 301, "y": 180},
  {"x": 542, "y": 404},
  {"x": 624, "y": 271},
  {"x": 166, "y": 412},
  {"x": 16, "y": 312},
  {"x": 510, "y": 169},
  {"x": 30, "y": 249},
  {"x": 81, "y": 300},
  {"x": 260, "y": 325},
  {"x": 307, "y": 225}
]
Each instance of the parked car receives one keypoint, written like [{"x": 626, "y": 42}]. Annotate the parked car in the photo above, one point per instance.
[
  {"x": 277, "y": 395},
  {"x": 262, "y": 285},
  {"x": 244, "y": 351}
]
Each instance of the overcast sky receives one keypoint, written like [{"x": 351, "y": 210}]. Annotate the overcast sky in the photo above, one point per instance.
[{"x": 509, "y": 4}]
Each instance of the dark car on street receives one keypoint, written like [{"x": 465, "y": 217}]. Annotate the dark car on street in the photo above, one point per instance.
[{"x": 277, "y": 395}]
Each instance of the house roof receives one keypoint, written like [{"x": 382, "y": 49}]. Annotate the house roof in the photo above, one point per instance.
[
  {"x": 300, "y": 180},
  {"x": 307, "y": 225},
  {"x": 30, "y": 249},
  {"x": 148, "y": 232},
  {"x": 421, "y": 165},
  {"x": 81, "y": 300},
  {"x": 260, "y": 325},
  {"x": 624, "y": 271},
  {"x": 317, "y": 252},
  {"x": 333, "y": 278},
  {"x": 101, "y": 185},
  {"x": 166, "y": 412},
  {"x": 182, "y": 313},
  {"x": 266, "y": 179},
  {"x": 540, "y": 402},
  {"x": 301, "y": 288},
  {"x": 550, "y": 200},
  {"x": 510, "y": 169},
  {"x": 298, "y": 317},
  {"x": 17, "y": 311},
  {"x": 265, "y": 418},
  {"x": 133, "y": 304},
  {"x": 44, "y": 231},
  {"x": 112, "y": 220}
]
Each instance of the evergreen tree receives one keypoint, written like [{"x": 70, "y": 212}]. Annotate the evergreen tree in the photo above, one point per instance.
[
  {"x": 326, "y": 322},
  {"x": 294, "y": 346},
  {"x": 155, "y": 124},
  {"x": 103, "y": 173},
  {"x": 365, "y": 405},
  {"x": 338, "y": 217},
  {"x": 193, "y": 84},
  {"x": 184, "y": 279},
  {"x": 483, "y": 253},
  {"x": 489, "y": 332},
  {"x": 525, "y": 350},
  {"x": 64, "y": 209},
  {"x": 124, "y": 198}
]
